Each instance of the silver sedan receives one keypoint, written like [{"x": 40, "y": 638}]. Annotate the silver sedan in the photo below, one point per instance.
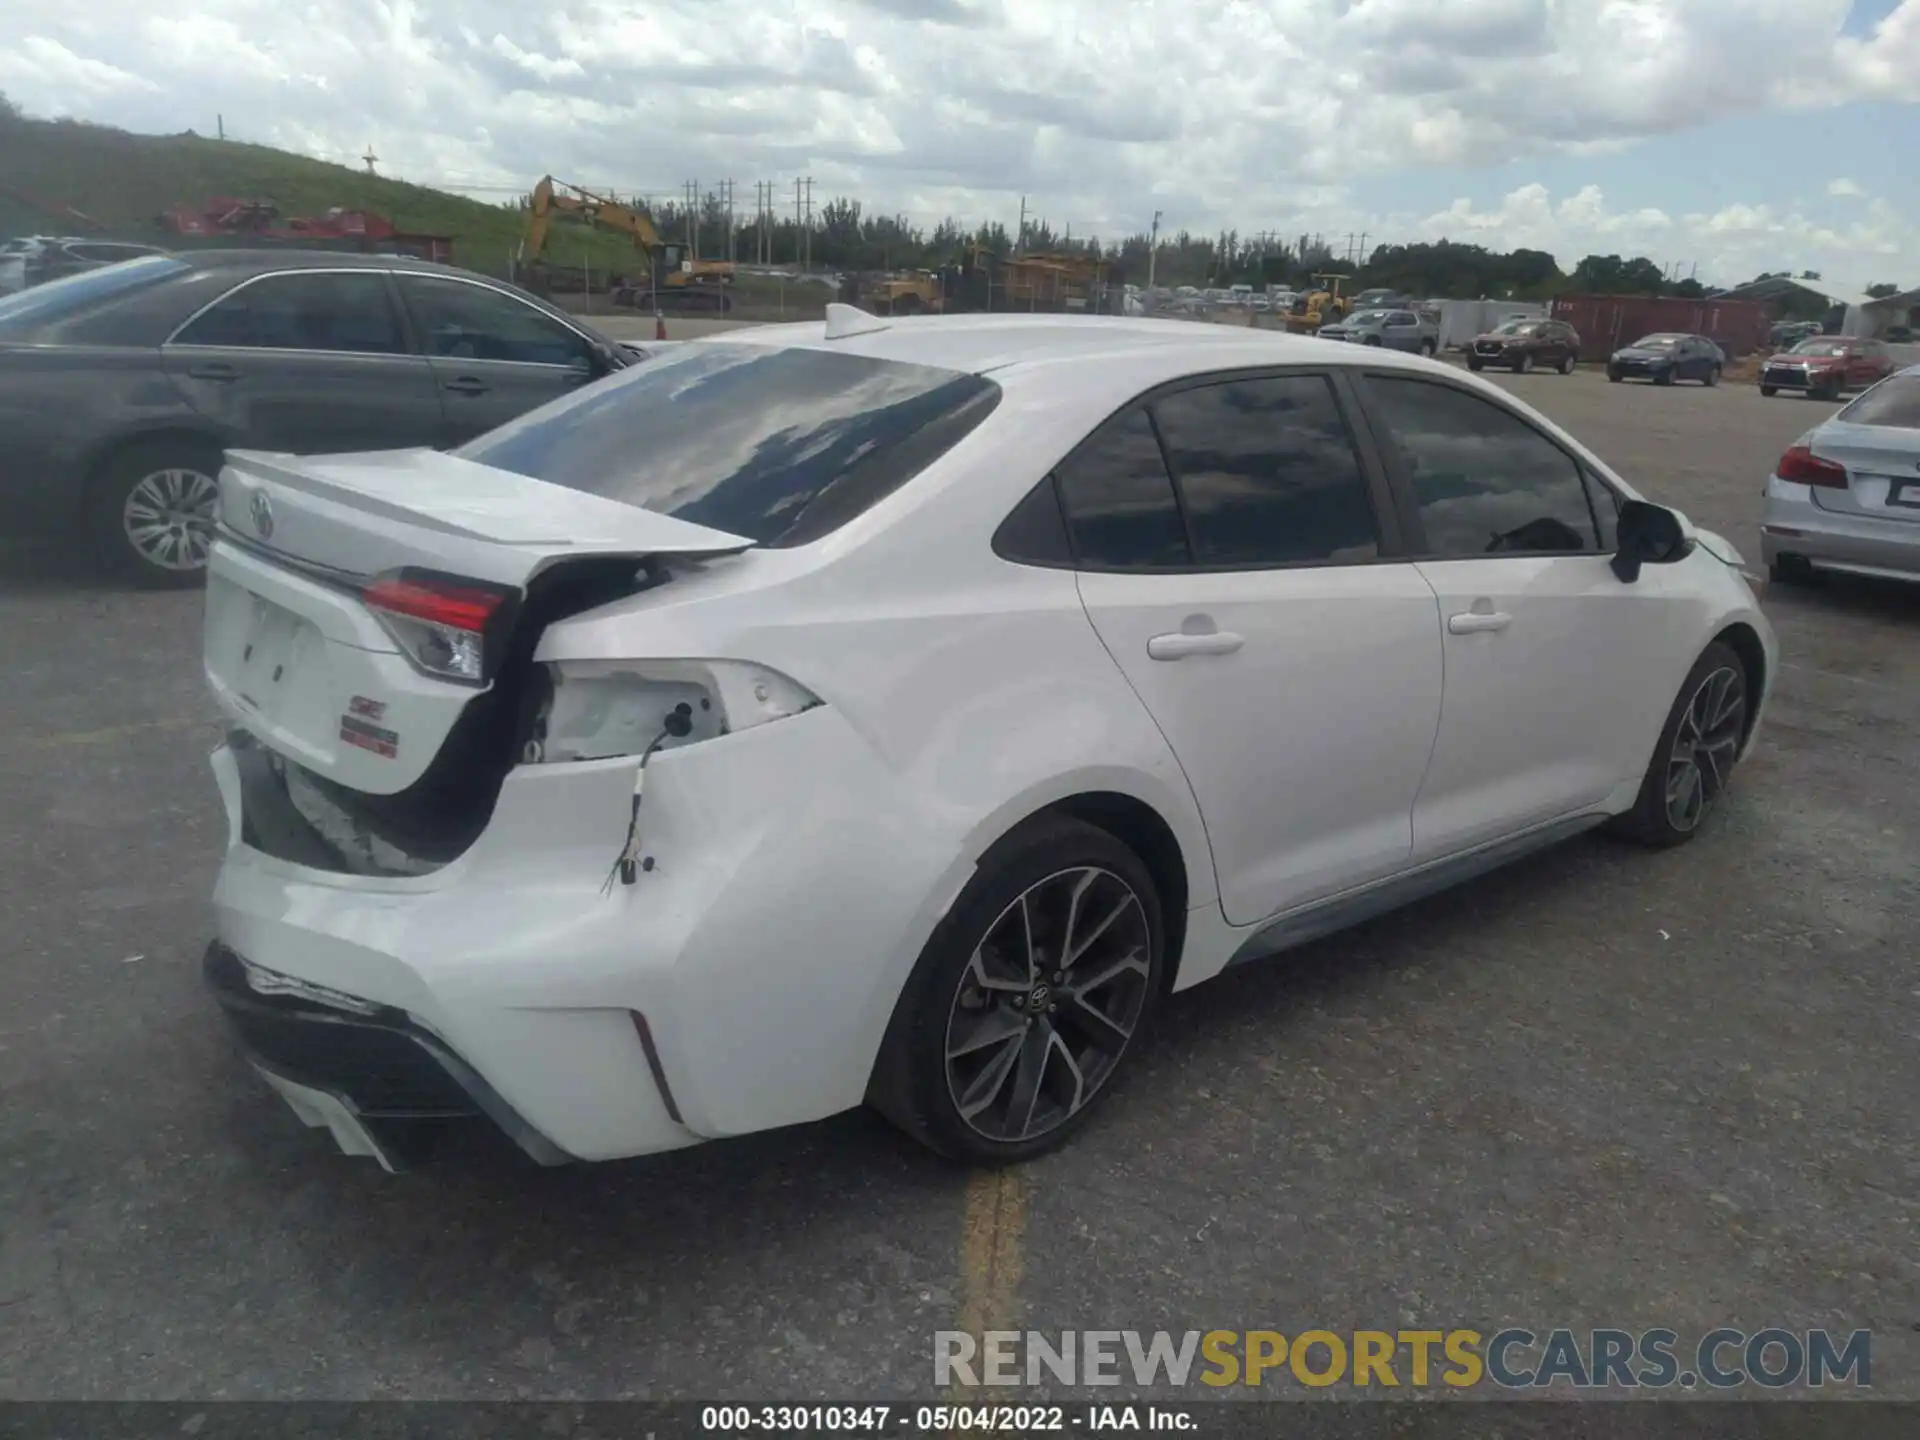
[{"x": 1846, "y": 495}]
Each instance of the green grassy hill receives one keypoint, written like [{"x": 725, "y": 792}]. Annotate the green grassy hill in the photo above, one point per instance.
[{"x": 124, "y": 181}]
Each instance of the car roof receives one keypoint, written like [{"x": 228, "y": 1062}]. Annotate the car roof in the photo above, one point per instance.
[{"x": 979, "y": 344}]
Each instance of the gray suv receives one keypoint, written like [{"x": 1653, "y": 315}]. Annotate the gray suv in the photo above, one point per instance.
[{"x": 1407, "y": 330}]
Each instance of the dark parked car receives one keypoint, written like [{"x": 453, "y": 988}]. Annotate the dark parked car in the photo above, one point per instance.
[
  {"x": 120, "y": 388},
  {"x": 1824, "y": 367},
  {"x": 1666, "y": 358},
  {"x": 1520, "y": 345}
]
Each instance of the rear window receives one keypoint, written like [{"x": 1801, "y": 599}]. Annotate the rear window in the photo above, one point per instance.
[
  {"x": 1894, "y": 403},
  {"x": 780, "y": 446},
  {"x": 60, "y": 299}
]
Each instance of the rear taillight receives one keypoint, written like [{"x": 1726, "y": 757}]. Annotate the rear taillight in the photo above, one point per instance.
[
  {"x": 1801, "y": 466},
  {"x": 442, "y": 624}
]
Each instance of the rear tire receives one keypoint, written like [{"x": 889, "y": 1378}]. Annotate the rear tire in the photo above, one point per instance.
[
  {"x": 150, "y": 511},
  {"x": 1693, "y": 762},
  {"x": 1713, "y": 377},
  {"x": 1791, "y": 570},
  {"x": 1427, "y": 348},
  {"x": 995, "y": 990}
]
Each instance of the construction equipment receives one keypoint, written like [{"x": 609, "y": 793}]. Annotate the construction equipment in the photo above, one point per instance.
[
  {"x": 982, "y": 280},
  {"x": 1317, "y": 307},
  {"x": 905, "y": 292},
  {"x": 674, "y": 279}
]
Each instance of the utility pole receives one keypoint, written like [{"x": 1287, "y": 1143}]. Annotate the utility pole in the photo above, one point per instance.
[
  {"x": 693, "y": 219},
  {"x": 1363, "y": 248},
  {"x": 728, "y": 184},
  {"x": 807, "y": 264},
  {"x": 370, "y": 157},
  {"x": 796, "y": 222},
  {"x": 1153, "y": 247},
  {"x": 220, "y": 124},
  {"x": 1020, "y": 239}
]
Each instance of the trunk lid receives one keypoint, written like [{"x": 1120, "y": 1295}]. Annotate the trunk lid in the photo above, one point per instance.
[
  {"x": 297, "y": 657},
  {"x": 1883, "y": 470}
]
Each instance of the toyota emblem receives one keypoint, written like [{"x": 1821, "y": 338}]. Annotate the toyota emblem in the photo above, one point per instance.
[{"x": 261, "y": 508}]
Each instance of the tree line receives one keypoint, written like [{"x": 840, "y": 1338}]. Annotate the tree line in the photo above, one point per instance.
[{"x": 845, "y": 236}]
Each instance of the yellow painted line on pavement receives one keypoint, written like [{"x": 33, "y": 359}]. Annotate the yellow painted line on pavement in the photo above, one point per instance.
[
  {"x": 992, "y": 1226},
  {"x": 108, "y": 734}
]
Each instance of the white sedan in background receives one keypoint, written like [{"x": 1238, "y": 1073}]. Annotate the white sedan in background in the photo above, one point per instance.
[{"x": 897, "y": 710}]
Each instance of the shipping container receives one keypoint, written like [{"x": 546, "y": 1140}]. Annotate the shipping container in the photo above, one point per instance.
[{"x": 1607, "y": 322}]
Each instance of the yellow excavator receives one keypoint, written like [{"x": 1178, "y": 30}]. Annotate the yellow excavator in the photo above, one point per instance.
[{"x": 673, "y": 280}]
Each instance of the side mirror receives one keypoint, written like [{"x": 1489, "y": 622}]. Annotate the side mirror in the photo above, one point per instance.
[{"x": 1647, "y": 535}]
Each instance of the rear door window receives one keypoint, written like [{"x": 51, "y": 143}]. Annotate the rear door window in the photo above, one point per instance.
[
  {"x": 1119, "y": 500},
  {"x": 1268, "y": 473},
  {"x": 343, "y": 312},
  {"x": 777, "y": 445}
]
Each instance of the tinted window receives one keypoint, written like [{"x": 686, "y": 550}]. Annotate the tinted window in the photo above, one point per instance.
[
  {"x": 1268, "y": 473},
  {"x": 1894, "y": 402},
  {"x": 60, "y": 299},
  {"x": 472, "y": 322},
  {"x": 780, "y": 446},
  {"x": 316, "y": 310},
  {"x": 1606, "y": 509},
  {"x": 1485, "y": 482},
  {"x": 1119, "y": 499}
]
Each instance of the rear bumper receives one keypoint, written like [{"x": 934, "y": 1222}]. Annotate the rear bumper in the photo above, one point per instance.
[
  {"x": 1791, "y": 525},
  {"x": 742, "y": 982},
  {"x": 375, "y": 1061}
]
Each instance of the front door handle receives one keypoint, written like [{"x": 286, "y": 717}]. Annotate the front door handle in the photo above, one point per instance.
[
  {"x": 218, "y": 370},
  {"x": 1475, "y": 622},
  {"x": 467, "y": 385},
  {"x": 1179, "y": 645}
]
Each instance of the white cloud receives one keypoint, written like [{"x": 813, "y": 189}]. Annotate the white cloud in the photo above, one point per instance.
[
  {"x": 1844, "y": 189},
  {"x": 1219, "y": 112}
]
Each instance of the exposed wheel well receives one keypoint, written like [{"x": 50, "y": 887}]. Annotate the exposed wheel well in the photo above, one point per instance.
[
  {"x": 1138, "y": 826},
  {"x": 98, "y": 462},
  {"x": 1741, "y": 639}
]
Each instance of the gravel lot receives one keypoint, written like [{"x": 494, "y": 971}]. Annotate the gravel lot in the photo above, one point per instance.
[{"x": 1603, "y": 1088}]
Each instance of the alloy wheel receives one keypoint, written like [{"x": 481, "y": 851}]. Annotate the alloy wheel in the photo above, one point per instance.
[
  {"x": 168, "y": 518},
  {"x": 1704, "y": 747},
  {"x": 1047, "y": 1004}
]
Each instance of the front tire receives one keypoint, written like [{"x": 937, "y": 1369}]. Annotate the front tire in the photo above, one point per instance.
[
  {"x": 1567, "y": 364},
  {"x": 1694, "y": 761},
  {"x": 1523, "y": 365},
  {"x": 1767, "y": 392},
  {"x": 1475, "y": 366},
  {"x": 1663, "y": 377},
  {"x": 1029, "y": 998},
  {"x": 151, "y": 511}
]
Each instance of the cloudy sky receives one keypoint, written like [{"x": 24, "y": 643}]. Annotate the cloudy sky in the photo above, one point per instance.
[{"x": 1731, "y": 135}]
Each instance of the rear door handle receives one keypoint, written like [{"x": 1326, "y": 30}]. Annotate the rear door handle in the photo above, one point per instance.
[
  {"x": 217, "y": 370},
  {"x": 1179, "y": 645},
  {"x": 1474, "y": 622},
  {"x": 467, "y": 385}
]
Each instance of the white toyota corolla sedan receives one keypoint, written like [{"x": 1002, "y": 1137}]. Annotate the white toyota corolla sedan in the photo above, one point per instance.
[{"x": 896, "y": 711}]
